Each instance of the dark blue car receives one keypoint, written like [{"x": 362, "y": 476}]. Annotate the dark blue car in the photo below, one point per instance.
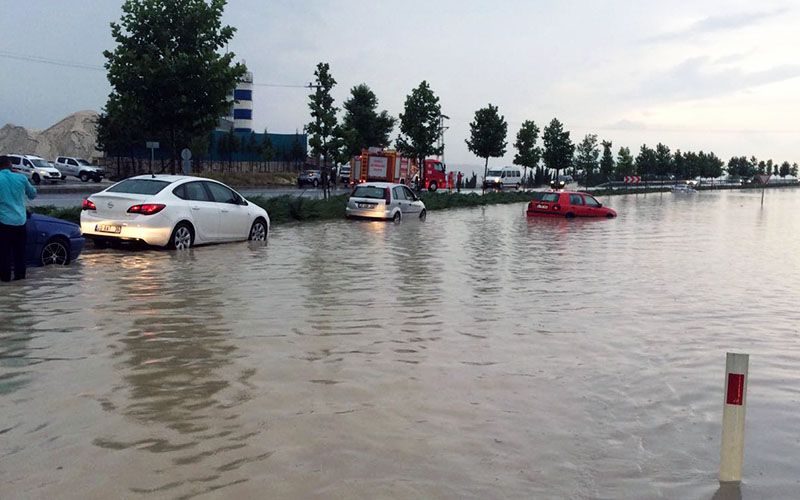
[{"x": 52, "y": 241}]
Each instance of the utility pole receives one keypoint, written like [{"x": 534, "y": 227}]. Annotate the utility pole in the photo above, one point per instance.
[{"x": 442, "y": 128}]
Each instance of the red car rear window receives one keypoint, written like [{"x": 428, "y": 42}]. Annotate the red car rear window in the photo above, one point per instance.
[{"x": 551, "y": 197}]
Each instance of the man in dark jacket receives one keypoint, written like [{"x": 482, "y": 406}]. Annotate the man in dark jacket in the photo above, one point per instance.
[{"x": 14, "y": 188}]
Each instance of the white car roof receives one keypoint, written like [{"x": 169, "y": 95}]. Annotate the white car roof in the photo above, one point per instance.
[
  {"x": 380, "y": 184},
  {"x": 171, "y": 178}
]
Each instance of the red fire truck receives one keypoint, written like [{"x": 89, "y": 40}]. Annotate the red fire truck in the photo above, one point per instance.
[{"x": 386, "y": 165}]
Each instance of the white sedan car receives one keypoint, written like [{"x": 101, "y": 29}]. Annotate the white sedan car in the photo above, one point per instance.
[{"x": 174, "y": 211}]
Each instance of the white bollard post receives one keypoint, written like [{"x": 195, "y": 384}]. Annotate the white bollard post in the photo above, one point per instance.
[{"x": 730, "y": 463}]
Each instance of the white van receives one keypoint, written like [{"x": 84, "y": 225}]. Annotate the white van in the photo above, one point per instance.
[
  {"x": 35, "y": 169},
  {"x": 506, "y": 177}
]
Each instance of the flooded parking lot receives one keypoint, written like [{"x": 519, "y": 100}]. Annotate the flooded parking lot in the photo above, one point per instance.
[{"x": 480, "y": 354}]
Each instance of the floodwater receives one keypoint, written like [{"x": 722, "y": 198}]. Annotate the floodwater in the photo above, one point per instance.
[{"x": 479, "y": 355}]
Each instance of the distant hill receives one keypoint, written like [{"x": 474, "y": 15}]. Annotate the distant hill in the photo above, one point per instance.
[{"x": 75, "y": 135}]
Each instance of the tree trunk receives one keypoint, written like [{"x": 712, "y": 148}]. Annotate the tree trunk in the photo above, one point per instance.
[{"x": 485, "y": 172}]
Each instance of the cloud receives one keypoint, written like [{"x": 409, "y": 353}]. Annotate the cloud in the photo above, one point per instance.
[
  {"x": 698, "y": 78},
  {"x": 716, "y": 23}
]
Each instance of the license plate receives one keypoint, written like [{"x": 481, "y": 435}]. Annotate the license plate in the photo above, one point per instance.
[
  {"x": 107, "y": 228},
  {"x": 366, "y": 205},
  {"x": 542, "y": 206}
]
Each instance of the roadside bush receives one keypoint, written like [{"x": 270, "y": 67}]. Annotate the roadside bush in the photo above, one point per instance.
[{"x": 71, "y": 214}]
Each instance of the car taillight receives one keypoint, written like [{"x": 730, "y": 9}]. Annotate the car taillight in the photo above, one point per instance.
[
  {"x": 148, "y": 209},
  {"x": 388, "y": 198},
  {"x": 556, "y": 207},
  {"x": 88, "y": 205}
]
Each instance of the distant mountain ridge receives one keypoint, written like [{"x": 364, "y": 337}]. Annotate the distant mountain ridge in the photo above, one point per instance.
[{"x": 75, "y": 135}]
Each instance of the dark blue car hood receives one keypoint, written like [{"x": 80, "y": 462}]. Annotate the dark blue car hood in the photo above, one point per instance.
[{"x": 52, "y": 220}]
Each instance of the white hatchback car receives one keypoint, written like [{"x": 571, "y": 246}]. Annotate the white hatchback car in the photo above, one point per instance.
[
  {"x": 174, "y": 211},
  {"x": 384, "y": 200}
]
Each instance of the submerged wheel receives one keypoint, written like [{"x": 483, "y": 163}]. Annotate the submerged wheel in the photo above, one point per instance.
[
  {"x": 397, "y": 217},
  {"x": 56, "y": 251},
  {"x": 258, "y": 232},
  {"x": 569, "y": 215},
  {"x": 182, "y": 237},
  {"x": 423, "y": 215}
]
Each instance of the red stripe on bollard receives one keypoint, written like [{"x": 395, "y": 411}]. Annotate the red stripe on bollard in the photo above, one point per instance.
[{"x": 735, "y": 389}]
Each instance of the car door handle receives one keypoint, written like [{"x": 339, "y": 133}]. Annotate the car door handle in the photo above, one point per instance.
[
  {"x": 224, "y": 211},
  {"x": 195, "y": 208}
]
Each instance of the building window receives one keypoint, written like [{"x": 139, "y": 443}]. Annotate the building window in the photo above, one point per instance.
[
  {"x": 243, "y": 114},
  {"x": 243, "y": 95}
]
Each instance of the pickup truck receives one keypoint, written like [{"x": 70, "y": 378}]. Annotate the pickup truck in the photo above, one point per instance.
[{"x": 80, "y": 168}]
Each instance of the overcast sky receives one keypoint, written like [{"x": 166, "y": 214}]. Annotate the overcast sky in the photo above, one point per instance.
[{"x": 720, "y": 76}]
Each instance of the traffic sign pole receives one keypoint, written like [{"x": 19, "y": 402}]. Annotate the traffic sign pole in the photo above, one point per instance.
[{"x": 733, "y": 411}]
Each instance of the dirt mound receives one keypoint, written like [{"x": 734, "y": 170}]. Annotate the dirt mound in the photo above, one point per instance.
[{"x": 75, "y": 135}]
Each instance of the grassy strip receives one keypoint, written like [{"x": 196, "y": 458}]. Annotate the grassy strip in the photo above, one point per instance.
[
  {"x": 289, "y": 208},
  {"x": 71, "y": 214}
]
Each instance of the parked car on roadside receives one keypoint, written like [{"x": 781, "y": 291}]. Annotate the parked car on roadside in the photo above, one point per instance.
[
  {"x": 384, "y": 200},
  {"x": 312, "y": 177},
  {"x": 80, "y": 168},
  {"x": 568, "y": 204},
  {"x": 174, "y": 211},
  {"x": 36, "y": 169},
  {"x": 51, "y": 241}
]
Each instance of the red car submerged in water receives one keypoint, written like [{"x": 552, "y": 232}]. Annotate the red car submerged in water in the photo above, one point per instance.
[{"x": 568, "y": 204}]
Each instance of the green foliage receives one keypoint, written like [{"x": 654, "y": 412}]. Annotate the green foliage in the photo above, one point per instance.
[
  {"x": 167, "y": 77},
  {"x": 785, "y": 169},
  {"x": 487, "y": 135},
  {"x": 793, "y": 171},
  {"x": 323, "y": 126},
  {"x": 420, "y": 126},
  {"x": 363, "y": 126},
  {"x": 528, "y": 153},
  {"x": 663, "y": 165},
  {"x": 606, "y": 163},
  {"x": 288, "y": 208},
  {"x": 558, "y": 147},
  {"x": 646, "y": 161},
  {"x": 71, "y": 214},
  {"x": 586, "y": 157},
  {"x": 267, "y": 149},
  {"x": 625, "y": 164}
]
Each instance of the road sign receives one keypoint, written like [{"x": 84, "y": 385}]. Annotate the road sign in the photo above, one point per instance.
[
  {"x": 763, "y": 179},
  {"x": 632, "y": 179},
  {"x": 186, "y": 154},
  {"x": 152, "y": 145}
]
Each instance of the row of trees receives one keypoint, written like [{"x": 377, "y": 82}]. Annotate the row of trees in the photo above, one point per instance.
[
  {"x": 230, "y": 143},
  {"x": 363, "y": 126},
  {"x": 488, "y": 140}
]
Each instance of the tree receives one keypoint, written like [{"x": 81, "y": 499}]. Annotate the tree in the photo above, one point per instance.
[
  {"x": 362, "y": 125},
  {"x": 166, "y": 74},
  {"x": 267, "y": 149},
  {"x": 487, "y": 135},
  {"x": 625, "y": 165},
  {"x": 528, "y": 153},
  {"x": 558, "y": 147},
  {"x": 645, "y": 162},
  {"x": 420, "y": 126},
  {"x": 607, "y": 162},
  {"x": 586, "y": 157},
  {"x": 785, "y": 169},
  {"x": 323, "y": 129},
  {"x": 298, "y": 152},
  {"x": 663, "y": 165},
  {"x": 117, "y": 129}
]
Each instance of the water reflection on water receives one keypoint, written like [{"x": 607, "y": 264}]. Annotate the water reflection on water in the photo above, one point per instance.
[{"x": 481, "y": 354}]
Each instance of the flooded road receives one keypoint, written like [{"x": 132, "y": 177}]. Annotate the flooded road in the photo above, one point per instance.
[{"x": 477, "y": 355}]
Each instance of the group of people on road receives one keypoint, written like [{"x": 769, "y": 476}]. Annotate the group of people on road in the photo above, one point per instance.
[{"x": 14, "y": 189}]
